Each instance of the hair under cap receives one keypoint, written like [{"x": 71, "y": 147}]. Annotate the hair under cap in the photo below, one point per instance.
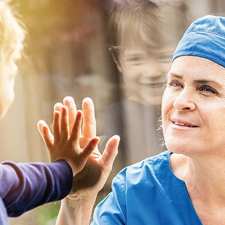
[{"x": 205, "y": 38}]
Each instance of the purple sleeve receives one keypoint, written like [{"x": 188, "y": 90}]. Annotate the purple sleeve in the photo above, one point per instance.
[{"x": 24, "y": 186}]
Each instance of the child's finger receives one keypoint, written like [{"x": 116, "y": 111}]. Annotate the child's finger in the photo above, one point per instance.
[
  {"x": 110, "y": 151},
  {"x": 56, "y": 126},
  {"x": 64, "y": 124},
  {"x": 75, "y": 134},
  {"x": 89, "y": 148},
  {"x": 70, "y": 104},
  {"x": 89, "y": 125},
  {"x": 45, "y": 133},
  {"x": 58, "y": 107}
]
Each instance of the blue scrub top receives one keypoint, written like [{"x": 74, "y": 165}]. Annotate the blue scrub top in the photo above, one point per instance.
[{"x": 147, "y": 193}]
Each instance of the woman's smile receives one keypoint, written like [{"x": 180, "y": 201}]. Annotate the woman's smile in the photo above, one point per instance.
[{"x": 182, "y": 126}]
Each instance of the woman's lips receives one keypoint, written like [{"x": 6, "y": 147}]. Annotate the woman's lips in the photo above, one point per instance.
[{"x": 183, "y": 123}]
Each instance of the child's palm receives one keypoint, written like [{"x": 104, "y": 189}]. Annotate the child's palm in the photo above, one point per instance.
[{"x": 78, "y": 145}]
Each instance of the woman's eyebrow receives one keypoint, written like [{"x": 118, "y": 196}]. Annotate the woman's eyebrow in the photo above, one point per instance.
[
  {"x": 197, "y": 81},
  {"x": 174, "y": 75},
  {"x": 204, "y": 81}
]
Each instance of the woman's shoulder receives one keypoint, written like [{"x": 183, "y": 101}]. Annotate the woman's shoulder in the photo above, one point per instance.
[
  {"x": 148, "y": 171},
  {"x": 152, "y": 163}
]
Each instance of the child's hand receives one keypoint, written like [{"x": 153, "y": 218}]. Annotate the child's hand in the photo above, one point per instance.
[
  {"x": 64, "y": 141},
  {"x": 90, "y": 166}
]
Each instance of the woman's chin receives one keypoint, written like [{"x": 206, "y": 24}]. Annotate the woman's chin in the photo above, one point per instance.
[
  {"x": 180, "y": 146},
  {"x": 186, "y": 148}
]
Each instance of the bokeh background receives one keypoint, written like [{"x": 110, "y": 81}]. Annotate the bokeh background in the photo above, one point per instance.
[{"x": 67, "y": 53}]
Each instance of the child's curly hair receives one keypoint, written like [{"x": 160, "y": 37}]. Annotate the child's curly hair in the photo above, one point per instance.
[{"x": 12, "y": 34}]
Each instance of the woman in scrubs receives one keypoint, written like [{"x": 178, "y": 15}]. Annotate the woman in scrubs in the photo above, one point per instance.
[{"x": 185, "y": 184}]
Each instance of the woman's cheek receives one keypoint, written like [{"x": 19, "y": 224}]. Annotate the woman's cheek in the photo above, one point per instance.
[{"x": 167, "y": 100}]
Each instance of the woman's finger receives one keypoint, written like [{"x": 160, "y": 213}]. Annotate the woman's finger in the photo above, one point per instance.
[
  {"x": 45, "y": 134},
  {"x": 72, "y": 110},
  {"x": 89, "y": 124},
  {"x": 110, "y": 151}
]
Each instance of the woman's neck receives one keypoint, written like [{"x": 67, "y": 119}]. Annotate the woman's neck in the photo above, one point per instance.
[{"x": 204, "y": 177}]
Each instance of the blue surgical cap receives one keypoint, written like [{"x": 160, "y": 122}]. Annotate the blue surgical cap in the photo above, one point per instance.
[{"x": 205, "y": 38}]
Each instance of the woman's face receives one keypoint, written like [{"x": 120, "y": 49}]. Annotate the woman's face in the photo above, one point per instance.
[{"x": 193, "y": 107}]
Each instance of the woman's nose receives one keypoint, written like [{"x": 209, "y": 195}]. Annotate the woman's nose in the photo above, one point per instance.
[{"x": 184, "y": 101}]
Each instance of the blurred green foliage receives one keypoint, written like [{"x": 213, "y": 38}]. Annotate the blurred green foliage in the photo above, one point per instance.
[{"x": 46, "y": 215}]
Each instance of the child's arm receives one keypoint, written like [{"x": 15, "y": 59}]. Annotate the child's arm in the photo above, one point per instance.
[{"x": 25, "y": 186}]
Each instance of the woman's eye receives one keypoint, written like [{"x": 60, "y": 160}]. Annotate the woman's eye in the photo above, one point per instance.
[
  {"x": 175, "y": 83},
  {"x": 207, "y": 89}
]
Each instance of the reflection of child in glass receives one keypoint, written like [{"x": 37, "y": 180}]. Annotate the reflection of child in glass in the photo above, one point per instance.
[{"x": 25, "y": 186}]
